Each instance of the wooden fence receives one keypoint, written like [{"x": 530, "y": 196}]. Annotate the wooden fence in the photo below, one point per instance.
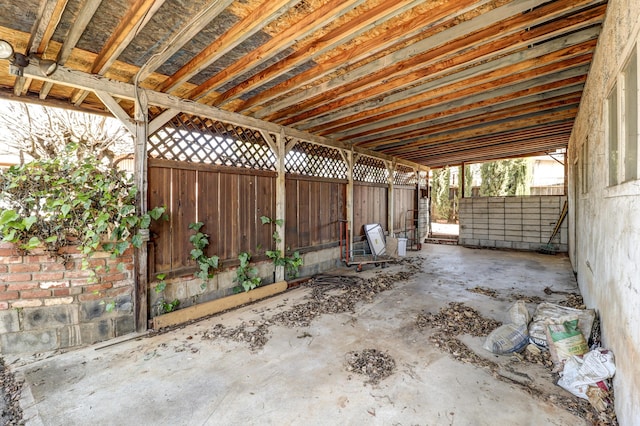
[{"x": 231, "y": 200}]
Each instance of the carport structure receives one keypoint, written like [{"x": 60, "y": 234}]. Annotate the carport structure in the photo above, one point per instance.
[{"x": 374, "y": 91}]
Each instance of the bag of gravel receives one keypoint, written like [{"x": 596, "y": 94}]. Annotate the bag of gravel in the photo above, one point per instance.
[{"x": 550, "y": 313}]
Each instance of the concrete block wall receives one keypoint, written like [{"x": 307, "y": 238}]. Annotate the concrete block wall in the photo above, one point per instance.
[
  {"x": 49, "y": 303},
  {"x": 521, "y": 223}
]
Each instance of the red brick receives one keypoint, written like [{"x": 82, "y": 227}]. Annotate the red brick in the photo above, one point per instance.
[
  {"x": 9, "y": 295},
  {"x": 74, "y": 291},
  {"x": 97, "y": 287},
  {"x": 113, "y": 277},
  {"x": 43, "y": 258},
  {"x": 48, "y": 276},
  {"x": 78, "y": 283},
  {"x": 4, "y": 268},
  {"x": 4, "y": 306},
  {"x": 77, "y": 274},
  {"x": 24, "y": 267},
  {"x": 8, "y": 252},
  {"x": 53, "y": 267},
  {"x": 61, "y": 292},
  {"x": 69, "y": 250},
  {"x": 94, "y": 263},
  {"x": 34, "y": 294},
  {"x": 22, "y": 286},
  {"x": 12, "y": 278},
  {"x": 10, "y": 259}
]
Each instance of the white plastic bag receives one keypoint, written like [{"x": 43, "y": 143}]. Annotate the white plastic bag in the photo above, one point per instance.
[{"x": 580, "y": 373}]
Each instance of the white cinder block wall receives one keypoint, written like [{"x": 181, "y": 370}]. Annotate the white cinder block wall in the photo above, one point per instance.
[
  {"x": 604, "y": 231},
  {"x": 521, "y": 223}
]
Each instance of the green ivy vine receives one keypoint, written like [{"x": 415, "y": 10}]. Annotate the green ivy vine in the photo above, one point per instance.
[{"x": 291, "y": 263}]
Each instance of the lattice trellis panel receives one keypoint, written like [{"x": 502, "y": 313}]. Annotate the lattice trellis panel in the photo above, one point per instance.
[
  {"x": 202, "y": 140},
  {"x": 404, "y": 175},
  {"x": 316, "y": 160},
  {"x": 369, "y": 169}
]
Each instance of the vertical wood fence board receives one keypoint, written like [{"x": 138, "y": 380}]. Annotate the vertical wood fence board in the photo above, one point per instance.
[
  {"x": 304, "y": 207},
  {"x": 291, "y": 210},
  {"x": 184, "y": 213},
  {"x": 265, "y": 206},
  {"x": 229, "y": 216},
  {"x": 208, "y": 213},
  {"x": 247, "y": 213},
  {"x": 160, "y": 195}
]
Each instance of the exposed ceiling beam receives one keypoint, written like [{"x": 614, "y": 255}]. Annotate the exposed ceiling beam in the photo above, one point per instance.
[
  {"x": 295, "y": 33},
  {"x": 365, "y": 83},
  {"x": 395, "y": 35},
  {"x": 131, "y": 23},
  {"x": 343, "y": 34},
  {"x": 268, "y": 11},
  {"x": 326, "y": 122},
  {"x": 172, "y": 45},
  {"x": 87, "y": 10}
]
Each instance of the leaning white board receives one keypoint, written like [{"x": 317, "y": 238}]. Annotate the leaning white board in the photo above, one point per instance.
[{"x": 375, "y": 236}]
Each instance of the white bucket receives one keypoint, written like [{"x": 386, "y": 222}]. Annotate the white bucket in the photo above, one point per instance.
[{"x": 402, "y": 247}]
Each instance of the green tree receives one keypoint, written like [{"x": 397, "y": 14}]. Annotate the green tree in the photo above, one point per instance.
[
  {"x": 441, "y": 203},
  {"x": 505, "y": 177}
]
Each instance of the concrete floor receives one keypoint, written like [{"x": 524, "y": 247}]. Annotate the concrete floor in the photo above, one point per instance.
[{"x": 177, "y": 378}]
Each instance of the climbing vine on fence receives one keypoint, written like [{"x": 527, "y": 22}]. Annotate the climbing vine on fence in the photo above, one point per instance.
[{"x": 68, "y": 200}]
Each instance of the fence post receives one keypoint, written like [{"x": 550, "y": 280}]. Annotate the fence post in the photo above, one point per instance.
[
  {"x": 141, "y": 313},
  {"x": 281, "y": 194}
]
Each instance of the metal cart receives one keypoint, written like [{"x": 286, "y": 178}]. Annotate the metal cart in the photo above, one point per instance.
[{"x": 377, "y": 243}]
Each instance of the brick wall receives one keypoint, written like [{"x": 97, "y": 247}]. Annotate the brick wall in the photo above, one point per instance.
[
  {"x": 521, "y": 223},
  {"x": 48, "y": 303}
]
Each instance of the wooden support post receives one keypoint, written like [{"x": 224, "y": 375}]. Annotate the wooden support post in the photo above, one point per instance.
[
  {"x": 350, "y": 158},
  {"x": 462, "y": 180},
  {"x": 140, "y": 170},
  {"x": 281, "y": 194},
  {"x": 391, "y": 167}
]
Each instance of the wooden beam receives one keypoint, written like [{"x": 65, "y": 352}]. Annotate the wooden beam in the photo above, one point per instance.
[
  {"x": 115, "y": 109},
  {"x": 446, "y": 43},
  {"x": 189, "y": 30},
  {"x": 437, "y": 79},
  {"x": 299, "y": 31},
  {"x": 415, "y": 117},
  {"x": 388, "y": 38},
  {"x": 486, "y": 118},
  {"x": 162, "y": 119},
  {"x": 87, "y": 10},
  {"x": 346, "y": 91},
  {"x": 339, "y": 36},
  {"x": 264, "y": 14},
  {"x": 47, "y": 23},
  {"x": 130, "y": 24}
]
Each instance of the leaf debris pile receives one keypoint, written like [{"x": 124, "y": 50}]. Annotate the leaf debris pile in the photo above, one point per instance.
[
  {"x": 458, "y": 319},
  {"x": 330, "y": 294},
  {"x": 372, "y": 363},
  {"x": 483, "y": 290},
  {"x": 11, "y": 413}
]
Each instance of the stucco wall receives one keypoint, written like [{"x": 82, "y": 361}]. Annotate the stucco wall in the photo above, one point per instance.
[{"x": 605, "y": 232}]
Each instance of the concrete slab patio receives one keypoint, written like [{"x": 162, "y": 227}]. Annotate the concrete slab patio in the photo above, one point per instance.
[{"x": 299, "y": 376}]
